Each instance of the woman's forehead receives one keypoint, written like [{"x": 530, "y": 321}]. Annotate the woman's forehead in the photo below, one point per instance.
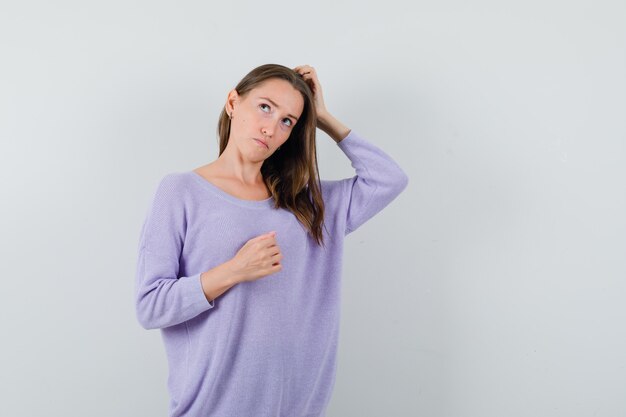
[{"x": 281, "y": 93}]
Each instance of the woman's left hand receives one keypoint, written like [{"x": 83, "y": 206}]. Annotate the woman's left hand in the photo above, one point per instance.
[{"x": 310, "y": 77}]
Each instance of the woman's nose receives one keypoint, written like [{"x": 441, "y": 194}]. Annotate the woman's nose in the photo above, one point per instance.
[{"x": 268, "y": 128}]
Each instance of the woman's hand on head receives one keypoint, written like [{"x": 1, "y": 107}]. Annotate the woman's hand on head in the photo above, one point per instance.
[
  {"x": 309, "y": 75},
  {"x": 325, "y": 121}
]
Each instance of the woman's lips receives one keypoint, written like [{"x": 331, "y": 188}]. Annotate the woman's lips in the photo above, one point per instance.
[{"x": 262, "y": 143}]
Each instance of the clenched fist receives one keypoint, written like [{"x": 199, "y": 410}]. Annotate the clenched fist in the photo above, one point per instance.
[{"x": 258, "y": 257}]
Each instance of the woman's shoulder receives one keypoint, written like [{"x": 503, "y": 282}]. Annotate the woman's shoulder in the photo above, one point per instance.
[
  {"x": 173, "y": 179},
  {"x": 174, "y": 183}
]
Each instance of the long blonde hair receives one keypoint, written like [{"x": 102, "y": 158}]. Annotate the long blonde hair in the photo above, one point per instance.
[{"x": 291, "y": 172}]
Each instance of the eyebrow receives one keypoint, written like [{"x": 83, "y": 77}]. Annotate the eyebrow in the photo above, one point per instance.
[{"x": 277, "y": 106}]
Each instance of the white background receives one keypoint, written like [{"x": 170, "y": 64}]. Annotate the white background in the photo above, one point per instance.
[{"x": 493, "y": 286}]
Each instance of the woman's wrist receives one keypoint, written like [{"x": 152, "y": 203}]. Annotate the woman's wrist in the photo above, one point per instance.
[
  {"x": 218, "y": 280},
  {"x": 332, "y": 127}
]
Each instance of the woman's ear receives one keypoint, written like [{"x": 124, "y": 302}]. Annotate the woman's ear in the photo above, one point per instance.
[{"x": 231, "y": 101}]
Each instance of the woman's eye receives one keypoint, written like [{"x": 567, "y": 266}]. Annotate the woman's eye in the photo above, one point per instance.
[{"x": 266, "y": 108}]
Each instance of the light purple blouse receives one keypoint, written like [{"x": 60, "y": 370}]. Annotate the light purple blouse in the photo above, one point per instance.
[{"x": 265, "y": 348}]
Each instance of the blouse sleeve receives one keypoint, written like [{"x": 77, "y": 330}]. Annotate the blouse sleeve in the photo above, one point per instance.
[
  {"x": 162, "y": 297},
  {"x": 378, "y": 181}
]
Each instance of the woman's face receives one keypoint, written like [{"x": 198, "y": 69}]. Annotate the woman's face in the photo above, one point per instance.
[{"x": 263, "y": 118}]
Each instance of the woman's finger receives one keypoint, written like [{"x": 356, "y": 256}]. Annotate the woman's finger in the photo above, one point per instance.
[
  {"x": 303, "y": 69},
  {"x": 311, "y": 75},
  {"x": 308, "y": 73}
]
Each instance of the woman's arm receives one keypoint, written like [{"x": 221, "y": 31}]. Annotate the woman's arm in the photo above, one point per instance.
[
  {"x": 218, "y": 280},
  {"x": 165, "y": 296},
  {"x": 378, "y": 180},
  {"x": 332, "y": 127}
]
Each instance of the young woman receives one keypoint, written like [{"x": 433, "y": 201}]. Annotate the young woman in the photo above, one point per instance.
[{"x": 240, "y": 259}]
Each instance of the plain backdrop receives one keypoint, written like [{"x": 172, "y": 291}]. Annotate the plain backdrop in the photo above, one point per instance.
[{"x": 493, "y": 286}]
